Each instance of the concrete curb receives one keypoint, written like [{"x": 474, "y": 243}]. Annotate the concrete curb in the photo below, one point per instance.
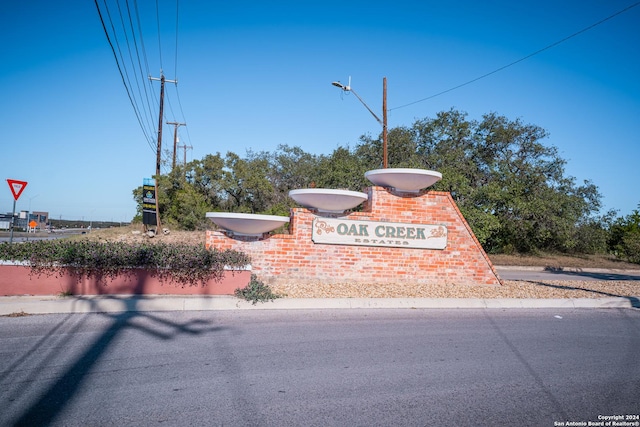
[{"x": 128, "y": 303}]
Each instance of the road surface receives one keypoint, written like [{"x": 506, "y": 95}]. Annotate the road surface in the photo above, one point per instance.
[{"x": 321, "y": 368}]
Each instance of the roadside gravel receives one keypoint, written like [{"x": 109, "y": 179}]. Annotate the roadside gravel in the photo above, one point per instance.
[{"x": 509, "y": 289}]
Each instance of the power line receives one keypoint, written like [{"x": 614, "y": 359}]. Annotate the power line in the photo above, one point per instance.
[
  {"x": 175, "y": 72},
  {"x": 106, "y": 32},
  {"x": 146, "y": 72},
  {"x": 133, "y": 38},
  {"x": 521, "y": 59},
  {"x": 149, "y": 130},
  {"x": 182, "y": 112},
  {"x": 175, "y": 140},
  {"x": 140, "y": 69},
  {"x": 135, "y": 71},
  {"x": 176, "y": 75},
  {"x": 159, "y": 44}
]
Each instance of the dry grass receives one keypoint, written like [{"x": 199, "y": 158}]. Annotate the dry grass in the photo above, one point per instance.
[
  {"x": 16, "y": 314},
  {"x": 135, "y": 233}
]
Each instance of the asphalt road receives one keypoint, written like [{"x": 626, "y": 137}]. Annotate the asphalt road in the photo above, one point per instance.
[
  {"x": 20, "y": 236},
  {"x": 321, "y": 368}
]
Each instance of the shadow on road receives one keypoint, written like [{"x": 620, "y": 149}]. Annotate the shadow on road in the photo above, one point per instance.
[
  {"x": 592, "y": 274},
  {"x": 45, "y": 408},
  {"x": 635, "y": 301}
]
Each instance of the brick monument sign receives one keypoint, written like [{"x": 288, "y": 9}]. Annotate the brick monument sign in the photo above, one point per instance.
[{"x": 398, "y": 237}]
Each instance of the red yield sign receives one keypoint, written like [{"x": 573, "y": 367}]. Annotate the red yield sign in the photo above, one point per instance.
[{"x": 17, "y": 187}]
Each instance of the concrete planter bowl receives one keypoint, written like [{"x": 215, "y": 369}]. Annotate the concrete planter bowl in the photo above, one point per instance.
[
  {"x": 328, "y": 200},
  {"x": 247, "y": 224},
  {"x": 403, "y": 179}
]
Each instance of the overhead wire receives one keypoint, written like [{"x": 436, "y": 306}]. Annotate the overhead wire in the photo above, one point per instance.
[
  {"x": 149, "y": 131},
  {"x": 122, "y": 74},
  {"x": 159, "y": 43},
  {"x": 144, "y": 98},
  {"x": 133, "y": 62},
  {"x": 146, "y": 76},
  {"x": 136, "y": 68},
  {"x": 175, "y": 70},
  {"x": 164, "y": 154},
  {"x": 183, "y": 116},
  {"x": 521, "y": 59},
  {"x": 184, "y": 120}
]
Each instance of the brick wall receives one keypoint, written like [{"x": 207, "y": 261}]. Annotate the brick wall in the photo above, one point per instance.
[{"x": 295, "y": 258}]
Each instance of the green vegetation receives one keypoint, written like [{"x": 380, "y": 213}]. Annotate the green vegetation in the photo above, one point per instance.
[
  {"x": 184, "y": 264},
  {"x": 256, "y": 292},
  {"x": 511, "y": 187},
  {"x": 624, "y": 237}
]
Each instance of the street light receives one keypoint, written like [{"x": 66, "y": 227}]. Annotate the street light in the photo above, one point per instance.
[{"x": 382, "y": 122}]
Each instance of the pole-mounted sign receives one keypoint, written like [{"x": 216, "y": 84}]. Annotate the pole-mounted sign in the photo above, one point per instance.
[
  {"x": 149, "y": 203},
  {"x": 17, "y": 187}
]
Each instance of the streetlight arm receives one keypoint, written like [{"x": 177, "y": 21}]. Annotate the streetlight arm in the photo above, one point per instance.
[
  {"x": 384, "y": 113},
  {"x": 348, "y": 89},
  {"x": 367, "y": 107}
]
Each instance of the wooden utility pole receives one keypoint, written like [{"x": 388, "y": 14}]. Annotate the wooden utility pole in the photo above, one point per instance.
[
  {"x": 159, "y": 151},
  {"x": 175, "y": 140},
  {"x": 185, "y": 146},
  {"x": 385, "y": 157}
]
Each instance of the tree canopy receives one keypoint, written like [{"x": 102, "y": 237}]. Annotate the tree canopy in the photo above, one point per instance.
[{"x": 511, "y": 187}]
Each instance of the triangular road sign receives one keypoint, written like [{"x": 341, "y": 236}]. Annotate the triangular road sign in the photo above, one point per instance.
[{"x": 17, "y": 187}]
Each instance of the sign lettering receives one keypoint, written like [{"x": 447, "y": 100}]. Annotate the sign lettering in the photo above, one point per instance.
[
  {"x": 336, "y": 231},
  {"x": 149, "y": 202}
]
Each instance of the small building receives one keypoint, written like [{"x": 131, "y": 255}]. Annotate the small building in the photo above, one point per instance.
[
  {"x": 22, "y": 220},
  {"x": 41, "y": 218}
]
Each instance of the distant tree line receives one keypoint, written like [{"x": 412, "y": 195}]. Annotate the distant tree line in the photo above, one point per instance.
[{"x": 510, "y": 186}]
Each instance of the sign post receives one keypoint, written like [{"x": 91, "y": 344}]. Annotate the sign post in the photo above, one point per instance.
[{"x": 16, "y": 187}]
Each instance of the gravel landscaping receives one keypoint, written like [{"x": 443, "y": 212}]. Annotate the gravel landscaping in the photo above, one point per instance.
[{"x": 509, "y": 289}]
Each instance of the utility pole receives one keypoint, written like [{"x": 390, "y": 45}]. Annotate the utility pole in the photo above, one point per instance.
[
  {"x": 175, "y": 140},
  {"x": 159, "y": 151},
  {"x": 385, "y": 157},
  {"x": 185, "y": 146}
]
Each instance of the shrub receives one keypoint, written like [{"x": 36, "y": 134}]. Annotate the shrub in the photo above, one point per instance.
[
  {"x": 624, "y": 237},
  {"x": 256, "y": 291},
  {"x": 631, "y": 247},
  {"x": 182, "y": 263}
]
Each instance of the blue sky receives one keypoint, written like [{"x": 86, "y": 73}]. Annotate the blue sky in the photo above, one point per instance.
[{"x": 253, "y": 75}]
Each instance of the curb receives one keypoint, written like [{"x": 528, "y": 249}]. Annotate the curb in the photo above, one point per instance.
[{"x": 128, "y": 303}]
